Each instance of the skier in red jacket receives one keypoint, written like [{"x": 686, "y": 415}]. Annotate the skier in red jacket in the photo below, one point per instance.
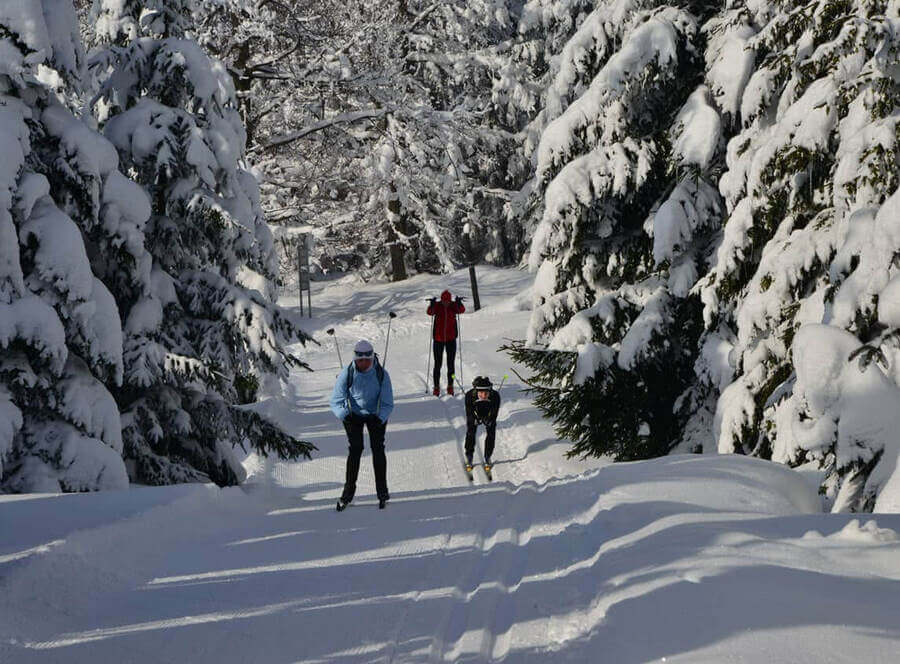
[{"x": 445, "y": 332}]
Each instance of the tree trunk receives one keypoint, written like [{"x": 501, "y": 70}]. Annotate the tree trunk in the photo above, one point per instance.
[{"x": 395, "y": 218}]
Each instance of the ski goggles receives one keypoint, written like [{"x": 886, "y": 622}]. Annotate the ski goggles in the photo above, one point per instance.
[{"x": 363, "y": 355}]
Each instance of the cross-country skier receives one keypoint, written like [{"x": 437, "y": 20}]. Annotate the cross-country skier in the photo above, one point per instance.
[
  {"x": 482, "y": 406},
  {"x": 444, "y": 336},
  {"x": 363, "y": 396}
]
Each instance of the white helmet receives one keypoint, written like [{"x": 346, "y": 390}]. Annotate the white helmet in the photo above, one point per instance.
[{"x": 363, "y": 349}]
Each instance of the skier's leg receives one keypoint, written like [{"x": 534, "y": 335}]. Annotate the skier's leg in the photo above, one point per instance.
[
  {"x": 451, "y": 361},
  {"x": 489, "y": 441},
  {"x": 379, "y": 460},
  {"x": 354, "y": 430},
  {"x": 470, "y": 439},
  {"x": 438, "y": 350}
]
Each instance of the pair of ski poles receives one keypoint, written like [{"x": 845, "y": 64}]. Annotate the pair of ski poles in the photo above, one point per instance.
[
  {"x": 429, "y": 347},
  {"x": 391, "y": 317}
]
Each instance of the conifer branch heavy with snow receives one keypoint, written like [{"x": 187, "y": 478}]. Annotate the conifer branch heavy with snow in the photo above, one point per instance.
[{"x": 775, "y": 236}]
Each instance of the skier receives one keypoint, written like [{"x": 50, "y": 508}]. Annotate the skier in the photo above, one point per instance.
[
  {"x": 482, "y": 406},
  {"x": 444, "y": 333},
  {"x": 363, "y": 396}
]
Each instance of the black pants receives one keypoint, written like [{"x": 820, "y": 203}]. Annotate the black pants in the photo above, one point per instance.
[
  {"x": 439, "y": 348},
  {"x": 354, "y": 427},
  {"x": 491, "y": 429}
]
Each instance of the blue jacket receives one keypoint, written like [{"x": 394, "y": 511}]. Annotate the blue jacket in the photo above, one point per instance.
[{"x": 363, "y": 396}]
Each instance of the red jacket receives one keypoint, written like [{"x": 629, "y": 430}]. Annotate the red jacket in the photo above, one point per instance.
[{"x": 445, "y": 312}]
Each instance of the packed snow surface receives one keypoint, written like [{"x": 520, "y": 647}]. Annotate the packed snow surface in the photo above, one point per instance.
[{"x": 680, "y": 559}]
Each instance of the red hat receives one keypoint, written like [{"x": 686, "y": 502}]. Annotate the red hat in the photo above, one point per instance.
[{"x": 445, "y": 296}]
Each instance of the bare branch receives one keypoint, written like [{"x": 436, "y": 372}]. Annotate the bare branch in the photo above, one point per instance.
[{"x": 342, "y": 118}]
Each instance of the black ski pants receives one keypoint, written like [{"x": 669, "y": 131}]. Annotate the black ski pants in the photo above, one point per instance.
[
  {"x": 354, "y": 424},
  {"x": 491, "y": 429},
  {"x": 439, "y": 348}
]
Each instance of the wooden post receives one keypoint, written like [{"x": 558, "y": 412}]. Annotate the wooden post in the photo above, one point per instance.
[
  {"x": 303, "y": 272},
  {"x": 476, "y": 302}
]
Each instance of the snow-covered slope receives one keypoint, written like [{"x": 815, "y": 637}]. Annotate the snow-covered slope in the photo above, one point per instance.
[{"x": 681, "y": 559}]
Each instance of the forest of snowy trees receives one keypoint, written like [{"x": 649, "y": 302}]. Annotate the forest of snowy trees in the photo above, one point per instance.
[{"x": 706, "y": 192}]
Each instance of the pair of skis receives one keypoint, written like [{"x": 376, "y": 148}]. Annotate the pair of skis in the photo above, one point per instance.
[{"x": 488, "y": 471}]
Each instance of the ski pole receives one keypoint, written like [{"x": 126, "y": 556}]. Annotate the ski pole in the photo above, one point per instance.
[
  {"x": 501, "y": 383},
  {"x": 428, "y": 349},
  {"x": 330, "y": 332},
  {"x": 391, "y": 317},
  {"x": 459, "y": 336}
]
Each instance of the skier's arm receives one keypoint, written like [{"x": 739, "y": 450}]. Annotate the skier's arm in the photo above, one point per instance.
[
  {"x": 387, "y": 399},
  {"x": 473, "y": 410},
  {"x": 495, "y": 407},
  {"x": 339, "y": 396},
  {"x": 460, "y": 307},
  {"x": 430, "y": 310}
]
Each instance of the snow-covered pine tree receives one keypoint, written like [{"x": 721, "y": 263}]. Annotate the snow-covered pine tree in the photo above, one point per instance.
[
  {"x": 810, "y": 239},
  {"x": 625, "y": 169},
  {"x": 207, "y": 336},
  {"x": 64, "y": 209}
]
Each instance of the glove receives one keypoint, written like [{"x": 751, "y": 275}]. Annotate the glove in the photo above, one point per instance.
[
  {"x": 459, "y": 299},
  {"x": 432, "y": 300}
]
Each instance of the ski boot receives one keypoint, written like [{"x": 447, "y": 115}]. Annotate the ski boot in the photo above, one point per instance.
[
  {"x": 450, "y": 389},
  {"x": 342, "y": 504},
  {"x": 436, "y": 391},
  {"x": 488, "y": 467}
]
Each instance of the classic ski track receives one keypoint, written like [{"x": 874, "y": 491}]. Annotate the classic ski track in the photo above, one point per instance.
[
  {"x": 512, "y": 561},
  {"x": 397, "y": 633},
  {"x": 509, "y": 566},
  {"x": 460, "y": 443}
]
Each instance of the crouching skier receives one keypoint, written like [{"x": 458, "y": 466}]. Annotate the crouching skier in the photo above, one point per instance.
[
  {"x": 482, "y": 406},
  {"x": 363, "y": 396}
]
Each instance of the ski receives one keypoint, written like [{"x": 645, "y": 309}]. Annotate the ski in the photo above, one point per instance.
[{"x": 468, "y": 468}]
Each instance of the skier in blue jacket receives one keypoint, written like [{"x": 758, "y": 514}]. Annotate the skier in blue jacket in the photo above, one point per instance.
[{"x": 363, "y": 396}]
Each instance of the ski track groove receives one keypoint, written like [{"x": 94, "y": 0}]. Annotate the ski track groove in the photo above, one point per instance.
[
  {"x": 460, "y": 443},
  {"x": 397, "y": 633},
  {"x": 509, "y": 567}
]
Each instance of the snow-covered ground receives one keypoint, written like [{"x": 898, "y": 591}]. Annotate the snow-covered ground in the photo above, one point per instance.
[{"x": 682, "y": 559}]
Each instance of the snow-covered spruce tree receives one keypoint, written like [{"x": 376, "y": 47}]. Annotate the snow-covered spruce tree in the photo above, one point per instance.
[
  {"x": 811, "y": 238},
  {"x": 207, "y": 336},
  {"x": 69, "y": 220},
  {"x": 626, "y": 167}
]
